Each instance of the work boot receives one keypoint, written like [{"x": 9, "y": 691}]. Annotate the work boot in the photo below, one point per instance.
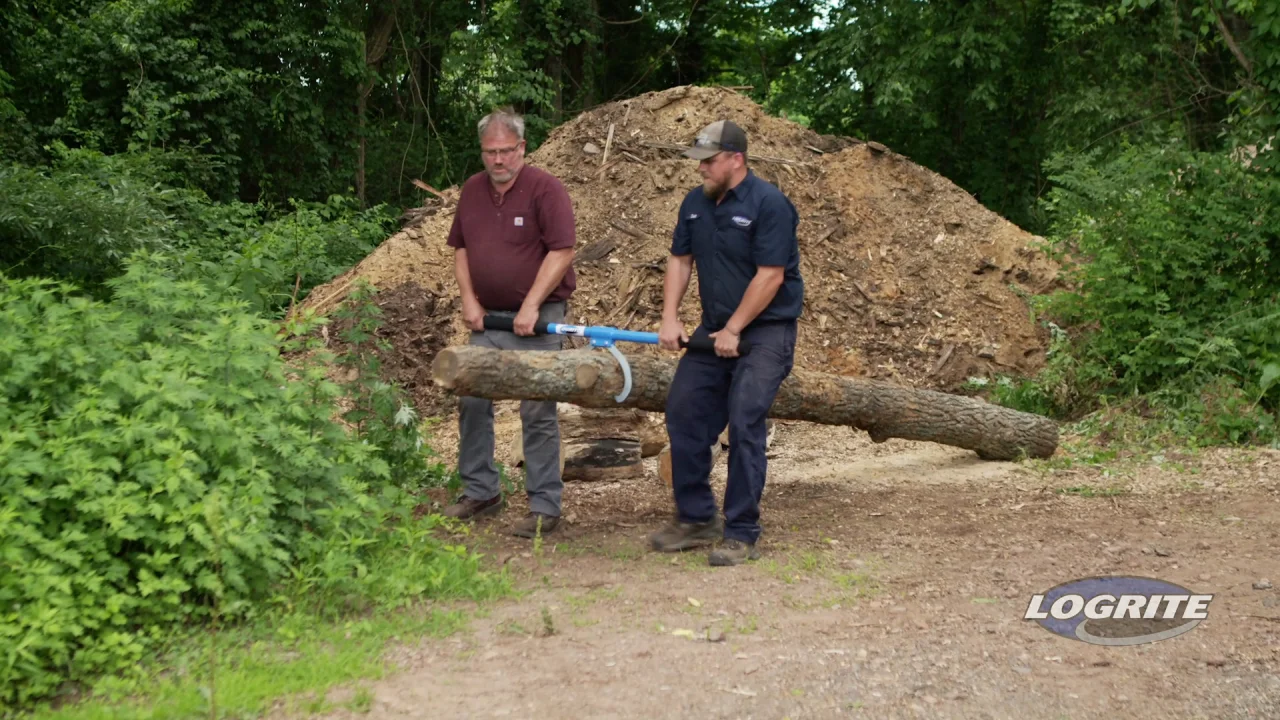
[
  {"x": 467, "y": 508},
  {"x": 733, "y": 552},
  {"x": 683, "y": 536},
  {"x": 528, "y": 527}
]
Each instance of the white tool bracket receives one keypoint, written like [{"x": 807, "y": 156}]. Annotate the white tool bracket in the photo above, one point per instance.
[{"x": 622, "y": 360}]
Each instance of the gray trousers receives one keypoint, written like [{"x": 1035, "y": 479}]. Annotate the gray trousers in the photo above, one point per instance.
[{"x": 540, "y": 425}]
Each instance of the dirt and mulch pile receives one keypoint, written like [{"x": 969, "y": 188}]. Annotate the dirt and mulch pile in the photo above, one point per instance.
[{"x": 908, "y": 278}]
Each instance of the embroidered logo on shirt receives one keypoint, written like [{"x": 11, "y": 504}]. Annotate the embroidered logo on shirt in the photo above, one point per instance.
[
  {"x": 519, "y": 221},
  {"x": 693, "y": 216},
  {"x": 742, "y": 222}
]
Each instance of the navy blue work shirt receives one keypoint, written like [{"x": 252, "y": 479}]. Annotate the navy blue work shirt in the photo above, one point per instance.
[{"x": 754, "y": 225}]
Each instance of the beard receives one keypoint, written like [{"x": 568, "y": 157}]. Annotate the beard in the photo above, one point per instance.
[{"x": 712, "y": 189}]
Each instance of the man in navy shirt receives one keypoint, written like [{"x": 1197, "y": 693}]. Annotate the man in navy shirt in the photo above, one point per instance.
[{"x": 740, "y": 233}]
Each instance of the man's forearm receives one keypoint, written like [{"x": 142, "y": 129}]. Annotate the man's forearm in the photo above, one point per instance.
[
  {"x": 764, "y": 286},
  {"x": 679, "y": 270},
  {"x": 552, "y": 271},
  {"x": 462, "y": 272}
]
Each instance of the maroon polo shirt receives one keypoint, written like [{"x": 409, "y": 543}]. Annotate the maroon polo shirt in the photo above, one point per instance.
[{"x": 507, "y": 237}]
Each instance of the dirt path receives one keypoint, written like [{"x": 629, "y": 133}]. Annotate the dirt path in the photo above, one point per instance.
[{"x": 892, "y": 585}]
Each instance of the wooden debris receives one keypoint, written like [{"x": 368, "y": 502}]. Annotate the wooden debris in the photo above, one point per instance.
[
  {"x": 608, "y": 143},
  {"x": 619, "y": 225},
  {"x": 423, "y": 186},
  {"x": 942, "y": 361},
  {"x": 671, "y": 147},
  {"x": 667, "y": 98},
  {"x": 596, "y": 251}
]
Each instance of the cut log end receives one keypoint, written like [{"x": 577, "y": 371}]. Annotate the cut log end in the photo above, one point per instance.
[{"x": 444, "y": 369}]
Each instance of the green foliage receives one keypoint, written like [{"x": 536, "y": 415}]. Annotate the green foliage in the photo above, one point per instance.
[
  {"x": 159, "y": 463},
  {"x": 1178, "y": 264},
  {"x": 233, "y": 246},
  {"x": 1173, "y": 259},
  {"x": 80, "y": 218},
  {"x": 379, "y": 411}
]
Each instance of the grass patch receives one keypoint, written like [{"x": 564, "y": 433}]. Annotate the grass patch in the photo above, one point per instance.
[
  {"x": 847, "y": 585},
  {"x": 295, "y": 659}
]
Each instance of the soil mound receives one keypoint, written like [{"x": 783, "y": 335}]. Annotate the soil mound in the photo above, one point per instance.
[{"x": 908, "y": 278}]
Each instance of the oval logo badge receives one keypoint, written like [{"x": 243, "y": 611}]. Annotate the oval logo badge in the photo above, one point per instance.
[{"x": 1118, "y": 610}]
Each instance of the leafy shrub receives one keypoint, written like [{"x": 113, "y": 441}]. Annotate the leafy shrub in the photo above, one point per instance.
[
  {"x": 159, "y": 462},
  {"x": 1174, "y": 258},
  {"x": 81, "y": 218},
  {"x": 379, "y": 411},
  {"x": 264, "y": 260}
]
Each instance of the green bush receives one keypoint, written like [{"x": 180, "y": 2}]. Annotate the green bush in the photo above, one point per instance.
[
  {"x": 1174, "y": 261},
  {"x": 159, "y": 462},
  {"x": 265, "y": 260},
  {"x": 81, "y": 218}
]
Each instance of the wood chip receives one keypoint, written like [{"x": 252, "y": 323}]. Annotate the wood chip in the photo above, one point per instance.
[
  {"x": 619, "y": 225},
  {"x": 667, "y": 98},
  {"x": 608, "y": 143},
  {"x": 670, "y": 147},
  {"x": 826, "y": 234},
  {"x": 946, "y": 355},
  {"x": 596, "y": 251}
]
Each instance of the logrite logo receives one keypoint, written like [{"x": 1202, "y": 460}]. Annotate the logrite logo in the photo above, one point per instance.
[{"x": 1118, "y": 610}]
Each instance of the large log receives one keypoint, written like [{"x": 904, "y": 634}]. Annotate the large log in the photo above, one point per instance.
[{"x": 592, "y": 378}]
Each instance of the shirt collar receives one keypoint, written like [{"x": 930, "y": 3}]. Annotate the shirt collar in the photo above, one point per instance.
[{"x": 742, "y": 189}]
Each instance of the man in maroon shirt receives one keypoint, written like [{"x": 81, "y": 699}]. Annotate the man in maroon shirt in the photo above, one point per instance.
[{"x": 513, "y": 238}]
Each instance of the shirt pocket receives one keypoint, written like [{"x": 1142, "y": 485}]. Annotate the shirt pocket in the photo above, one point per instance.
[
  {"x": 701, "y": 234},
  {"x": 737, "y": 232},
  {"x": 519, "y": 227}
]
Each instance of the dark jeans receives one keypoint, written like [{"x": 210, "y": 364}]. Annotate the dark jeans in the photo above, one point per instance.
[{"x": 707, "y": 393}]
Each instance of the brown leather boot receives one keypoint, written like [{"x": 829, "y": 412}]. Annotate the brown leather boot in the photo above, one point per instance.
[
  {"x": 468, "y": 508},
  {"x": 528, "y": 527}
]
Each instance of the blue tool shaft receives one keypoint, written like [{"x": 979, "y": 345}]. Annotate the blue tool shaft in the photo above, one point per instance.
[{"x": 603, "y": 333}]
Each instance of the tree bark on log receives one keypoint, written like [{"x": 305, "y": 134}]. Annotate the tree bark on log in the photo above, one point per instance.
[{"x": 590, "y": 378}]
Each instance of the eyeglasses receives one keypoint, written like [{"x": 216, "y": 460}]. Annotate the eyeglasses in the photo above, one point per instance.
[{"x": 501, "y": 152}]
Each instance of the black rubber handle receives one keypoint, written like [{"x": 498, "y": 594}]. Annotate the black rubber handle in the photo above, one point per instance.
[
  {"x": 494, "y": 322},
  {"x": 706, "y": 343}
]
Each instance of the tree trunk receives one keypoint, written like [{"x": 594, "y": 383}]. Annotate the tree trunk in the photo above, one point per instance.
[
  {"x": 376, "y": 37},
  {"x": 590, "y": 378}
]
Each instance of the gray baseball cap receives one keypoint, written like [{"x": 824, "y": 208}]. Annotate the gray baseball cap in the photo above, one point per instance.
[{"x": 717, "y": 137}]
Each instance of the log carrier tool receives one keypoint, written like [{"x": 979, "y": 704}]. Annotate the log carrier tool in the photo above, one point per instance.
[{"x": 606, "y": 337}]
